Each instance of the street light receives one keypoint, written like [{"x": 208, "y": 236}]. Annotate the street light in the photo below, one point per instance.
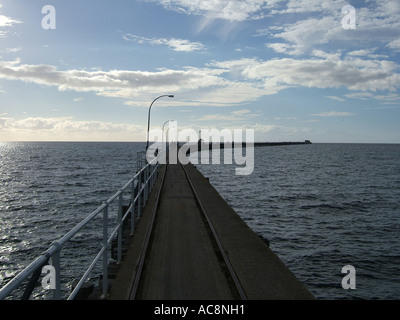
[
  {"x": 148, "y": 117},
  {"x": 163, "y": 132}
]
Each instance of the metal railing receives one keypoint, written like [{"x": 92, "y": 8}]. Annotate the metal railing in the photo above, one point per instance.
[{"x": 139, "y": 188}]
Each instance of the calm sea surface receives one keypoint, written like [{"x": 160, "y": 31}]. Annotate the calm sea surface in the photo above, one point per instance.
[
  {"x": 321, "y": 206},
  {"x": 324, "y": 206}
]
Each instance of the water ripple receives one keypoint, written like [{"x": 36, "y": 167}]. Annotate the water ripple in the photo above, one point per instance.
[{"x": 324, "y": 206}]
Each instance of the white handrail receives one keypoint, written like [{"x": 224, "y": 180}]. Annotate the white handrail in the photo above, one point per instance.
[{"x": 148, "y": 174}]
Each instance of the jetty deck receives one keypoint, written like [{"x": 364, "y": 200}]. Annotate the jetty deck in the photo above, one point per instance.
[{"x": 191, "y": 245}]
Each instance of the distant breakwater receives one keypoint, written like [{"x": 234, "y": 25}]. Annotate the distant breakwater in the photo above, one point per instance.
[{"x": 222, "y": 145}]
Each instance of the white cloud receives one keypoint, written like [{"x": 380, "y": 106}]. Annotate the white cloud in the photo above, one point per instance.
[
  {"x": 388, "y": 98},
  {"x": 369, "y": 53},
  {"x": 354, "y": 74},
  {"x": 320, "y": 24},
  {"x": 195, "y": 86},
  {"x": 327, "y": 56},
  {"x": 11, "y": 50},
  {"x": 220, "y": 83},
  {"x": 7, "y": 21},
  {"x": 173, "y": 43},
  {"x": 230, "y": 10},
  {"x": 234, "y": 10},
  {"x": 60, "y": 129},
  {"x": 135, "y": 85},
  {"x": 360, "y": 95},
  {"x": 335, "y": 98},
  {"x": 286, "y": 48},
  {"x": 241, "y": 112},
  {"x": 360, "y": 53},
  {"x": 238, "y": 115},
  {"x": 313, "y": 24},
  {"x": 310, "y": 32},
  {"x": 395, "y": 44},
  {"x": 218, "y": 117},
  {"x": 333, "y": 114},
  {"x": 312, "y": 6}
]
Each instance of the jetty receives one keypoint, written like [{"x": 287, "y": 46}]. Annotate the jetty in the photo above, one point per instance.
[
  {"x": 174, "y": 238},
  {"x": 223, "y": 145},
  {"x": 191, "y": 245}
]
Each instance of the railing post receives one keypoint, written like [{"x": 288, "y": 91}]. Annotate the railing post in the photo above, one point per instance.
[
  {"x": 153, "y": 180},
  {"x": 154, "y": 175},
  {"x": 133, "y": 208},
  {"x": 147, "y": 183},
  {"x": 120, "y": 223},
  {"x": 140, "y": 195},
  {"x": 150, "y": 180},
  {"x": 105, "y": 252},
  {"x": 156, "y": 172},
  {"x": 144, "y": 186}
]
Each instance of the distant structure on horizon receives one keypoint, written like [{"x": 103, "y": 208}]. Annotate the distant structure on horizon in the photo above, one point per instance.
[{"x": 201, "y": 145}]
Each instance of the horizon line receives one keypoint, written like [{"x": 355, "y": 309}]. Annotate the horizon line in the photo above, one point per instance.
[{"x": 124, "y": 141}]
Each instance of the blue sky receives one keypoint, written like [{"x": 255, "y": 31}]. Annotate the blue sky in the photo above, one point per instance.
[{"x": 289, "y": 69}]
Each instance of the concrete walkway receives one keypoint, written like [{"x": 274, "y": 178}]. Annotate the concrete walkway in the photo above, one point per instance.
[{"x": 182, "y": 263}]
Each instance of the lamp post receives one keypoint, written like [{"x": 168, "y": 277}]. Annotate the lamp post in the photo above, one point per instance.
[
  {"x": 163, "y": 132},
  {"x": 148, "y": 117}
]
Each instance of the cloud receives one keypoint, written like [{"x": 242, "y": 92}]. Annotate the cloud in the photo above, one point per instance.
[
  {"x": 241, "y": 112},
  {"x": 195, "y": 86},
  {"x": 335, "y": 98},
  {"x": 369, "y": 53},
  {"x": 306, "y": 34},
  {"x": 221, "y": 9},
  {"x": 173, "y": 43},
  {"x": 218, "y": 117},
  {"x": 311, "y": 6},
  {"x": 286, "y": 48},
  {"x": 61, "y": 129},
  {"x": 388, "y": 98},
  {"x": 360, "y": 95},
  {"x": 395, "y": 44},
  {"x": 238, "y": 115},
  {"x": 320, "y": 24},
  {"x": 7, "y": 21},
  {"x": 333, "y": 114},
  {"x": 135, "y": 85},
  {"x": 11, "y": 50},
  {"x": 353, "y": 74},
  {"x": 219, "y": 83}
]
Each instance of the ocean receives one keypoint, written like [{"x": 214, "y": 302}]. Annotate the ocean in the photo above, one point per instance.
[{"x": 321, "y": 207}]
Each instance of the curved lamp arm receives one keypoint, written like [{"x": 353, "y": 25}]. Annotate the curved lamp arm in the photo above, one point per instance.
[{"x": 148, "y": 117}]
